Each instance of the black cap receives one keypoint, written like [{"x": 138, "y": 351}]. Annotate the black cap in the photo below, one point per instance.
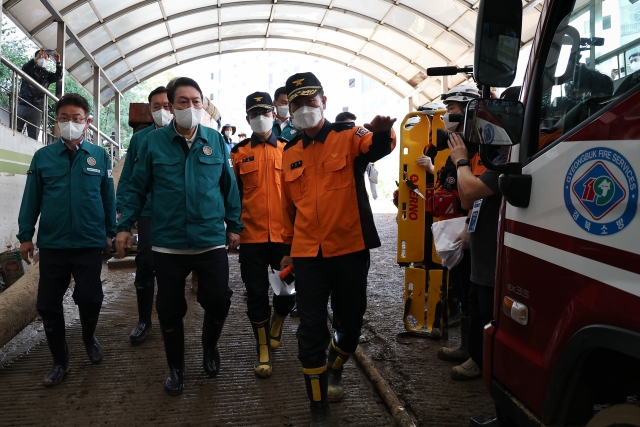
[
  {"x": 302, "y": 84},
  {"x": 259, "y": 100}
]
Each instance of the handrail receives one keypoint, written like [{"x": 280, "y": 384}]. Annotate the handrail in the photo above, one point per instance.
[
  {"x": 616, "y": 52},
  {"x": 50, "y": 95},
  {"x": 27, "y": 77},
  {"x": 104, "y": 136}
]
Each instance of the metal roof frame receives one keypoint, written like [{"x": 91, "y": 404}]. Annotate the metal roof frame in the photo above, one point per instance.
[{"x": 436, "y": 30}]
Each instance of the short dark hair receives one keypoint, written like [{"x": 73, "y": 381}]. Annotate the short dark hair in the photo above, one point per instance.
[
  {"x": 280, "y": 91},
  {"x": 75, "y": 100},
  {"x": 180, "y": 82},
  {"x": 345, "y": 115},
  {"x": 512, "y": 92},
  {"x": 156, "y": 91},
  {"x": 37, "y": 52}
]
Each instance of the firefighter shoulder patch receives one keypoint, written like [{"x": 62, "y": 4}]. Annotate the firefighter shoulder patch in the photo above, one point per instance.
[{"x": 362, "y": 132}]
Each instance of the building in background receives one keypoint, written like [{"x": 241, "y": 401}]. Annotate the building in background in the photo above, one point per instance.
[{"x": 227, "y": 79}]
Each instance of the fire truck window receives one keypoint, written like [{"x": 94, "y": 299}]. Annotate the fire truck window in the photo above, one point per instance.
[{"x": 591, "y": 62}]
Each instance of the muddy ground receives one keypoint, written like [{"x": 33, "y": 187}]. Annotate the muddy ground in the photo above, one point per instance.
[
  {"x": 420, "y": 380},
  {"x": 130, "y": 379}
]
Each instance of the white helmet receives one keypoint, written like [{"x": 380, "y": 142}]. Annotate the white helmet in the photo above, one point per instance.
[
  {"x": 461, "y": 93},
  {"x": 431, "y": 108}
]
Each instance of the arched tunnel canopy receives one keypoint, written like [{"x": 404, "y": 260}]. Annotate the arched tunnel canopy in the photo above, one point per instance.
[{"x": 392, "y": 41}]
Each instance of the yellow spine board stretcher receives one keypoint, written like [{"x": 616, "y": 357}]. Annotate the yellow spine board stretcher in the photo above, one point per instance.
[
  {"x": 418, "y": 316},
  {"x": 410, "y": 205},
  {"x": 438, "y": 279}
]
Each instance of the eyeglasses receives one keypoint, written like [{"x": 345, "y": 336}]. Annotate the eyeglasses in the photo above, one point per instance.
[
  {"x": 255, "y": 113},
  {"x": 75, "y": 119}
]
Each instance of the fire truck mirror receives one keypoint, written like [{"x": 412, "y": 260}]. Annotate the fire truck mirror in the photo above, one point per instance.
[
  {"x": 563, "y": 56},
  {"x": 494, "y": 122},
  {"x": 498, "y": 43}
]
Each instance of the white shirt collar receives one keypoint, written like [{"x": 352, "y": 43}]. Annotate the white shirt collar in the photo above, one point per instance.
[{"x": 193, "y": 137}]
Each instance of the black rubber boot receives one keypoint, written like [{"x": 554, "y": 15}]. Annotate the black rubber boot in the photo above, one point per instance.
[
  {"x": 277, "y": 322},
  {"x": 460, "y": 353},
  {"x": 454, "y": 313},
  {"x": 89, "y": 321},
  {"x": 335, "y": 362},
  {"x": 211, "y": 332},
  {"x": 262, "y": 366},
  {"x": 58, "y": 346},
  {"x": 174, "y": 349},
  {"x": 316, "y": 381},
  {"x": 144, "y": 296},
  {"x": 436, "y": 332}
]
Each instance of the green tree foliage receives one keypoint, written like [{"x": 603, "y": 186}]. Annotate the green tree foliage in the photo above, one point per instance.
[
  {"x": 18, "y": 49},
  {"x": 136, "y": 94}
]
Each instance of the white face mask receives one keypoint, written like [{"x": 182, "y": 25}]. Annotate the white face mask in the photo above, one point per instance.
[
  {"x": 42, "y": 62},
  {"x": 307, "y": 117},
  {"x": 162, "y": 117},
  {"x": 261, "y": 124},
  {"x": 447, "y": 124},
  {"x": 70, "y": 130},
  {"x": 189, "y": 117},
  {"x": 635, "y": 66},
  {"x": 227, "y": 133},
  {"x": 283, "y": 111}
]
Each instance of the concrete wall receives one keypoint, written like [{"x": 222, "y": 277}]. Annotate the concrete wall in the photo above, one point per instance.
[{"x": 16, "y": 152}]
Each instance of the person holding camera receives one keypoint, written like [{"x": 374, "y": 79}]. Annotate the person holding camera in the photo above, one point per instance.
[
  {"x": 482, "y": 196},
  {"x": 455, "y": 101},
  {"x": 30, "y": 99}
]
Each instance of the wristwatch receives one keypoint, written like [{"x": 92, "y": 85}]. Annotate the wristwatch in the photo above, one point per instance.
[{"x": 463, "y": 162}]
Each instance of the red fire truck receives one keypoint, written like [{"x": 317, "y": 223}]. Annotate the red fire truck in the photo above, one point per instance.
[{"x": 564, "y": 348}]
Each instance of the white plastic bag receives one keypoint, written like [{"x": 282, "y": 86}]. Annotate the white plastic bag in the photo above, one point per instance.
[
  {"x": 444, "y": 234},
  {"x": 279, "y": 286},
  {"x": 373, "y": 173}
]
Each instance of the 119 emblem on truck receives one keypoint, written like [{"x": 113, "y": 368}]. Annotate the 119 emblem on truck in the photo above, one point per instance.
[{"x": 601, "y": 191}]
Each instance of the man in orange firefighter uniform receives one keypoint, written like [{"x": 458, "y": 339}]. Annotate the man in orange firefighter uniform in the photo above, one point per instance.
[
  {"x": 329, "y": 228},
  {"x": 257, "y": 163}
]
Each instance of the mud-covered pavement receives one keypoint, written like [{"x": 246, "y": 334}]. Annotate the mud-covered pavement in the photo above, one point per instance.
[
  {"x": 127, "y": 388},
  {"x": 420, "y": 380}
]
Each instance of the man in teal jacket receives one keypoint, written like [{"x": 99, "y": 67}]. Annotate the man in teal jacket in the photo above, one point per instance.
[
  {"x": 161, "y": 112},
  {"x": 186, "y": 168},
  {"x": 282, "y": 126},
  {"x": 70, "y": 187}
]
